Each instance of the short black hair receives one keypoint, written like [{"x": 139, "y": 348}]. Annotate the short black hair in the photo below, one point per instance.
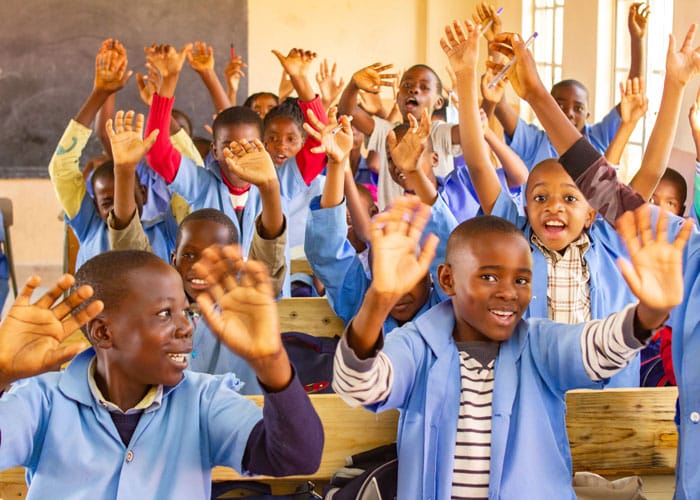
[
  {"x": 181, "y": 114},
  {"x": 677, "y": 179},
  {"x": 252, "y": 97},
  {"x": 475, "y": 228},
  {"x": 570, "y": 83},
  {"x": 427, "y": 68},
  {"x": 289, "y": 108},
  {"x": 237, "y": 115},
  {"x": 209, "y": 214},
  {"x": 106, "y": 273},
  {"x": 103, "y": 171}
]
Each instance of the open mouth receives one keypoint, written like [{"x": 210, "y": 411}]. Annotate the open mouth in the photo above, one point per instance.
[
  {"x": 502, "y": 316},
  {"x": 554, "y": 226},
  {"x": 411, "y": 101},
  {"x": 279, "y": 159},
  {"x": 198, "y": 284},
  {"x": 179, "y": 359}
]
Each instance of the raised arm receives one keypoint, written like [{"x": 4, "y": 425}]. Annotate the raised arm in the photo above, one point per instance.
[
  {"x": 461, "y": 47},
  {"x": 694, "y": 117},
  {"x": 329, "y": 86},
  {"x": 633, "y": 106},
  {"x": 370, "y": 79},
  {"x": 233, "y": 73},
  {"x": 31, "y": 335},
  {"x": 513, "y": 166},
  {"x": 201, "y": 59},
  {"x": 637, "y": 20}
]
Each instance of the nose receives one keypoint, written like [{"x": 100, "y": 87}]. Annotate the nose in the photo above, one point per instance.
[
  {"x": 183, "y": 326},
  {"x": 554, "y": 204},
  {"x": 506, "y": 290}
]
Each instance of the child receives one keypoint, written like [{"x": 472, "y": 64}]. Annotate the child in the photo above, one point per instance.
[
  {"x": 575, "y": 273},
  {"x": 261, "y": 103},
  {"x": 500, "y": 432},
  {"x": 145, "y": 427},
  {"x": 671, "y": 192},
  {"x": 532, "y": 143},
  {"x": 88, "y": 218},
  {"x": 344, "y": 273},
  {"x": 597, "y": 180}
]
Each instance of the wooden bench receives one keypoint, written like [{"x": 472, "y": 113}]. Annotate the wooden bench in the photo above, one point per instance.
[
  {"x": 613, "y": 432},
  {"x": 312, "y": 315}
]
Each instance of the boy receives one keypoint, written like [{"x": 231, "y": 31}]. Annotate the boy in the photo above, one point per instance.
[
  {"x": 575, "y": 273},
  {"x": 345, "y": 274},
  {"x": 597, "y": 180},
  {"x": 481, "y": 392},
  {"x": 199, "y": 230},
  {"x": 532, "y": 143},
  {"x": 126, "y": 419},
  {"x": 671, "y": 192},
  {"x": 88, "y": 218}
]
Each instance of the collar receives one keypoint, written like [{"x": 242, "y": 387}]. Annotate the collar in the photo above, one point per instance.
[
  {"x": 213, "y": 166},
  {"x": 150, "y": 402},
  {"x": 582, "y": 243}
]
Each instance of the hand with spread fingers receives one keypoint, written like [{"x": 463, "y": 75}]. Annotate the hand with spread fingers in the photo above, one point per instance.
[
  {"x": 406, "y": 152},
  {"x": 111, "y": 63},
  {"x": 335, "y": 142},
  {"x": 328, "y": 84},
  {"x": 372, "y": 78},
  {"x": 126, "y": 137},
  {"x": 251, "y": 162},
  {"x": 31, "y": 334}
]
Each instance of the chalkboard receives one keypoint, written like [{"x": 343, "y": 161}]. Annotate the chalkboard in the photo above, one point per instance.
[{"x": 47, "y": 60}]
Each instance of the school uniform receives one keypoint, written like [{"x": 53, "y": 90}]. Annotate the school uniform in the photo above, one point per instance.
[
  {"x": 342, "y": 271},
  {"x": 608, "y": 290},
  {"x": 53, "y": 425},
  {"x": 530, "y": 456},
  {"x": 532, "y": 144}
]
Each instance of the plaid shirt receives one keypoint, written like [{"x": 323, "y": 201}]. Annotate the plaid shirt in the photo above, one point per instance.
[{"x": 568, "y": 281}]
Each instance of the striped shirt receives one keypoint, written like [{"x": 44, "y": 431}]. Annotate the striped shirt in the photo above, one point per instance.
[{"x": 568, "y": 281}]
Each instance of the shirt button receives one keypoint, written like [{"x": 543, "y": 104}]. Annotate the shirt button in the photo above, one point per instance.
[
  {"x": 129, "y": 456},
  {"x": 695, "y": 417}
]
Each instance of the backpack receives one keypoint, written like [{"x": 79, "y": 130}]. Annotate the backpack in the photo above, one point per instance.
[
  {"x": 371, "y": 475},
  {"x": 312, "y": 358}
]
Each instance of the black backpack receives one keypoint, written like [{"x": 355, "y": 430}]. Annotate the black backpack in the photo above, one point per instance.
[
  {"x": 312, "y": 358},
  {"x": 371, "y": 475}
]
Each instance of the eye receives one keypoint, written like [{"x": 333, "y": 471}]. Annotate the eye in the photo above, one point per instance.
[
  {"x": 522, "y": 281},
  {"x": 488, "y": 277},
  {"x": 540, "y": 198},
  {"x": 570, "y": 198},
  {"x": 165, "y": 313},
  {"x": 188, "y": 256},
  {"x": 579, "y": 109},
  {"x": 425, "y": 87}
]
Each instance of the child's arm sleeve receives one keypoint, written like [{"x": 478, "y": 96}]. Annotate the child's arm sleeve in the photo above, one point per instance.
[
  {"x": 64, "y": 168},
  {"x": 21, "y": 409},
  {"x": 271, "y": 253},
  {"x": 311, "y": 164},
  {"x": 528, "y": 141},
  {"x": 441, "y": 223},
  {"x": 183, "y": 143},
  {"x": 602, "y": 133},
  {"x": 132, "y": 237},
  {"x": 289, "y": 438},
  {"x": 361, "y": 381},
  {"x": 162, "y": 157},
  {"x": 598, "y": 181}
]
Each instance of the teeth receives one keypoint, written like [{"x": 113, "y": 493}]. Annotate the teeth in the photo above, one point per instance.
[
  {"x": 503, "y": 313},
  {"x": 197, "y": 281},
  {"x": 177, "y": 357},
  {"x": 402, "y": 176},
  {"x": 555, "y": 223}
]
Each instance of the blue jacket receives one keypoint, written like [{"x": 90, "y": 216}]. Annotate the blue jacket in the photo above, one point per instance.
[
  {"x": 52, "y": 425},
  {"x": 93, "y": 234},
  {"x": 608, "y": 291},
  {"x": 530, "y": 456},
  {"x": 532, "y": 143},
  {"x": 336, "y": 263}
]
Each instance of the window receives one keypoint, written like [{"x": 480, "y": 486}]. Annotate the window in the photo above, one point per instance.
[{"x": 548, "y": 17}]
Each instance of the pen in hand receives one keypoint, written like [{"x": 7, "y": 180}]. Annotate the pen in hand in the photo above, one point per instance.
[{"x": 510, "y": 63}]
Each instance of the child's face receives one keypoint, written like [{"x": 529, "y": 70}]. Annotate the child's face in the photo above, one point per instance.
[
  {"x": 666, "y": 196},
  {"x": 263, "y": 104},
  {"x": 282, "y": 139},
  {"x": 224, "y": 135},
  {"x": 490, "y": 285},
  {"x": 556, "y": 209},
  {"x": 428, "y": 161},
  {"x": 573, "y": 101},
  {"x": 103, "y": 187},
  {"x": 150, "y": 331},
  {"x": 195, "y": 236},
  {"x": 418, "y": 91},
  {"x": 409, "y": 304}
]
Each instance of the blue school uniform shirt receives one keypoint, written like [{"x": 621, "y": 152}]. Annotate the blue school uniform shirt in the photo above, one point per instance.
[
  {"x": 532, "y": 144},
  {"x": 93, "y": 235},
  {"x": 342, "y": 271},
  {"x": 608, "y": 291},
  {"x": 209, "y": 355},
  {"x": 458, "y": 191},
  {"x": 53, "y": 426},
  {"x": 530, "y": 456}
]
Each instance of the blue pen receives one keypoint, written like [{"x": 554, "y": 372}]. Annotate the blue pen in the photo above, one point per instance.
[{"x": 510, "y": 63}]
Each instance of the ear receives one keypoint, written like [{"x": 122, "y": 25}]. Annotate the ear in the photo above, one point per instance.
[
  {"x": 144, "y": 193},
  {"x": 438, "y": 103},
  {"x": 98, "y": 333},
  {"x": 446, "y": 279},
  {"x": 172, "y": 258},
  {"x": 590, "y": 217},
  {"x": 434, "y": 159}
]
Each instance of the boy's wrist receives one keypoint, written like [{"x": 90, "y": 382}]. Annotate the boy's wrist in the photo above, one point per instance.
[
  {"x": 269, "y": 187},
  {"x": 273, "y": 371},
  {"x": 649, "y": 318}
]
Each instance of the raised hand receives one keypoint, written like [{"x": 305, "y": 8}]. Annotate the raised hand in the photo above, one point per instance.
[
  {"x": 166, "y": 59},
  {"x": 200, "y": 56},
  {"x": 31, "y": 334},
  {"x": 637, "y": 19},
  {"x": 406, "y": 153},
  {"x": 329, "y": 86},
  {"x": 373, "y": 78},
  {"x": 336, "y": 143},
  {"x": 149, "y": 84},
  {"x": 683, "y": 65},
  {"x": 694, "y": 116},
  {"x": 633, "y": 100},
  {"x": 110, "y": 67},
  {"x": 126, "y": 137},
  {"x": 251, "y": 162},
  {"x": 523, "y": 74},
  {"x": 296, "y": 62},
  {"x": 394, "y": 237},
  {"x": 485, "y": 13},
  {"x": 461, "y": 46},
  {"x": 655, "y": 274},
  {"x": 233, "y": 73},
  {"x": 495, "y": 93},
  {"x": 372, "y": 104}
]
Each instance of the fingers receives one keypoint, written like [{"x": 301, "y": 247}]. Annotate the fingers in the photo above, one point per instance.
[
  {"x": 63, "y": 284},
  {"x": 27, "y": 290},
  {"x": 630, "y": 275},
  {"x": 688, "y": 41},
  {"x": 427, "y": 253},
  {"x": 57, "y": 357},
  {"x": 150, "y": 140},
  {"x": 684, "y": 234},
  {"x": 627, "y": 229},
  {"x": 74, "y": 300},
  {"x": 76, "y": 320}
]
